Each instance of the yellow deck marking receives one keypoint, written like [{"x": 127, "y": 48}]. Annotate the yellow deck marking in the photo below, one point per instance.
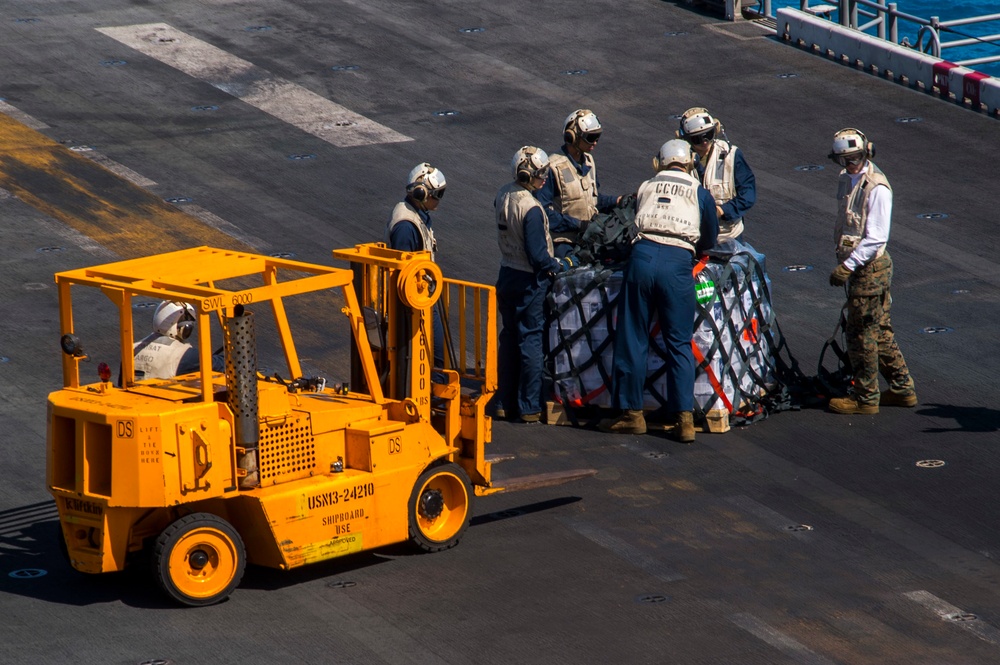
[
  {"x": 89, "y": 198},
  {"x": 131, "y": 222}
]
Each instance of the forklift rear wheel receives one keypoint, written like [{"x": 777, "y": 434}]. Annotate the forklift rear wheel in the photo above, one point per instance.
[
  {"x": 439, "y": 508},
  {"x": 199, "y": 559}
]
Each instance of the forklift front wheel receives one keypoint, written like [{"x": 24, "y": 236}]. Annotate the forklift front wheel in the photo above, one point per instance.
[
  {"x": 439, "y": 508},
  {"x": 199, "y": 559}
]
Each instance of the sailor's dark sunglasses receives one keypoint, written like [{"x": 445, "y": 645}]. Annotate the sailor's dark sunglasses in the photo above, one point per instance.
[{"x": 698, "y": 139}]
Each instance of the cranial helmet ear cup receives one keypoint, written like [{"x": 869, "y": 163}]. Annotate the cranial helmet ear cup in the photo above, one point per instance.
[
  {"x": 184, "y": 330},
  {"x": 570, "y": 132},
  {"x": 869, "y": 147},
  {"x": 523, "y": 176},
  {"x": 418, "y": 192},
  {"x": 656, "y": 162}
]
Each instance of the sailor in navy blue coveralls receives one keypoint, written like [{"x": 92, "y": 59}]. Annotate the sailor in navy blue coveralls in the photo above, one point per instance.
[
  {"x": 677, "y": 221},
  {"x": 526, "y": 268}
]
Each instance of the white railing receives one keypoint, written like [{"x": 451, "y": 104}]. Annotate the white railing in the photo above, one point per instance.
[
  {"x": 885, "y": 19},
  {"x": 888, "y": 59}
]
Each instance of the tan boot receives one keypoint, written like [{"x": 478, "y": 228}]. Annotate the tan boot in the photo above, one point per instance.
[
  {"x": 630, "y": 422},
  {"x": 889, "y": 398},
  {"x": 684, "y": 429},
  {"x": 850, "y": 406}
]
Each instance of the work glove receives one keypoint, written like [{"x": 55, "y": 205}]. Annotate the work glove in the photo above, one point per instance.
[
  {"x": 840, "y": 275},
  {"x": 568, "y": 263}
]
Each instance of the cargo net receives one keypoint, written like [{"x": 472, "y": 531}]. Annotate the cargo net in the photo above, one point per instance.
[{"x": 741, "y": 356}]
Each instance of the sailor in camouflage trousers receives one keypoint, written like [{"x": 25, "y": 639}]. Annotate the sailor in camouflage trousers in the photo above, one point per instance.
[{"x": 864, "y": 216}]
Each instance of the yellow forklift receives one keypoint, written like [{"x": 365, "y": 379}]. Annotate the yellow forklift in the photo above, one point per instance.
[{"x": 207, "y": 471}]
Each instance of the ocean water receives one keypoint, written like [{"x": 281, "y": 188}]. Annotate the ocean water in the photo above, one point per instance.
[{"x": 944, "y": 10}]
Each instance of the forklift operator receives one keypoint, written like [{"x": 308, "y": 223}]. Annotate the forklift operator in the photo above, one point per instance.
[{"x": 166, "y": 352}]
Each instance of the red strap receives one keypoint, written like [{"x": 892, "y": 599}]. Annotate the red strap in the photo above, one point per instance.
[
  {"x": 698, "y": 267},
  {"x": 716, "y": 386}
]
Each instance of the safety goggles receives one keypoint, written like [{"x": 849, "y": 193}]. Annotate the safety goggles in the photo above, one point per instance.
[
  {"x": 848, "y": 160},
  {"x": 437, "y": 194},
  {"x": 698, "y": 139},
  {"x": 591, "y": 137}
]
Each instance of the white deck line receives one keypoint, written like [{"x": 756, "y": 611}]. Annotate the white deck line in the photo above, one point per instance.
[
  {"x": 795, "y": 650},
  {"x": 984, "y": 631},
  {"x": 21, "y": 116},
  {"x": 282, "y": 99}
]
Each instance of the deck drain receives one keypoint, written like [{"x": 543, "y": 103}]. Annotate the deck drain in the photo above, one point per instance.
[
  {"x": 301, "y": 157},
  {"x": 345, "y": 68},
  {"x": 797, "y": 268},
  {"x": 26, "y": 20},
  {"x": 147, "y": 304},
  {"x": 49, "y": 250},
  {"x": 959, "y": 292},
  {"x": 908, "y": 119},
  {"x": 930, "y": 463},
  {"x": 257, "y": 28},
  {"x": 471, "y": 30},
  {"x": 652, "y": 598},
  {"x": 446, "y": 113},
  {"x": 283, "y": 255},
  {"x": 655, "y": 454},
  {"x": 575, "y": 72},
  {"x": 341, "y": 584},
  {"x": 35, "y": 286},
  {"x": 809, "y": 167},
  {"x": 207, "y": 107},
  {"x": 113, "y": 63},
  {"x": 961, "y": 616},
  {"x": 82, "y": 148},
  {"x": 677, "y": 33},
  {"x": 936, "y": 330},
  {"x": 27, "y": 573},
  {"x": 787, "y": 75},
  {"x": 932, "y": 215},
  {"x": 157, "y": 661},
  {"x": 178, "y": 199},
  {"x": 798, "y": 527},
  {"x": 166, "y": 40}
]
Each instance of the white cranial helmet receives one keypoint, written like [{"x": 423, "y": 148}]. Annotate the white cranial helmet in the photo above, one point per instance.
[
  {"x": 174, "y": 319},
  {"x": 582, "y": 124},
  {"x": 850, "y": 145},
  {"x": 529, "y": 162},
  {"x": 698, "y": 123},
  {"x": 674, "y": 151},
  {"x": 425, "y": 181}
]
